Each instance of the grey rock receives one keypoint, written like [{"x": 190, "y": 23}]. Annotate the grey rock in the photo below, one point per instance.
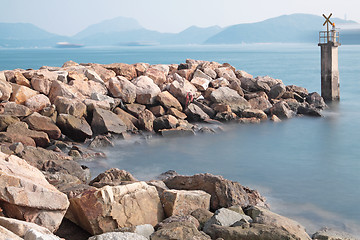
[
  {"x": 105, "y": 121},
  {"x": 93, "y": 76},
  {"x": 281, "y": 110},
  {"x": 277, "y": 91},
  {"x": 330, "y": 234},
  {"x": 316, "y": 100},
  {"x": 229, "y": 97},
  {"x": 118, "y": 236},
  {"x": 195, "y": 113}
]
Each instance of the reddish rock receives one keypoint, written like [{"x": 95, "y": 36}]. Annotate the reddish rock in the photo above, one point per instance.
[
  {"x": 195, "y": 113},
  {"x": 6, "y": 120},
  {"x": 219, "y": 82},
  {"x": 122, "y": 69},
  {"x": 227, "y": 96},
  {"x": 129, "y": 120},
  {"x": 146, "y": 90},
  {"x": 112, "y": 177},
  {"x": 158, "y": 111},
  {"x": 225, "y": 72},
  {"x": 43, "y": 124},
  {"x": 180, "y": 88},
  {"x": 122, "y": 88},
  {"x": 277, "y": 91},
  {"x": 75, "y": 128},
  {"x": 60, "y": 89},
  {"x": 41, "y": 138},
  {"x": 260, "y": 103},
  {"x": 282, "y": 110},
  {"x": 185, "y": 73},
  {"x": 176, "y": 113},
  {"x": 6, "y": 137},
  {"x": 105, "y": 121},
  {"x": 254, "y": 113},
  {"x": 21, "y": 80},
  {"x": 141, "y": 68},
  {"x": 167, "y": 100},
  {"x": 156, "y": 75},
  {"x": 200, "y": 83},
  {"x": 135, "y": 109},
  {"x": 5, "y": 90},
  {"x": 14, "y": 109},
  {"x": 21, "y": 93},
  {"x": 70, "y": 106},
  {"x": 146, "y": 120},
  {"x": 165, "y": 122},
  {"x": 87, "y": 88},
  {"x": 69, "y": 63}
]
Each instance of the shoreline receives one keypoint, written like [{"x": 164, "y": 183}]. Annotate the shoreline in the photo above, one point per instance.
[{"x": 53, "y": 116}]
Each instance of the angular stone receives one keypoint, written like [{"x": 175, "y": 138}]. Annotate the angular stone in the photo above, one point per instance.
[
  {"x": 6, "y": 120},
  {"x": 21, "y": 93},
  {"x": 265, "y": 216},
  {"x": 179, "y": 231},
  {"x": 274, "y": 118},
  {"x": 70, "y": 106},
  {"x": 69, "y": 63},
  {"x": 236, "y": 85},
  {"x": 20, "y": 228},
  {"x": 21, "y": 80},
  {"x": 141, "y": 68},
  {"x": 112, "y": 177},
  {"x": 176, "y": 113},
  {"x": 281, "y": 109},
  {"x": 316, "y": 100},
  {"x": 146, "y": 90},
  {"x": 87, "y": 88},
  {"x": 75, "y": 128},
  {"x": 226, "y": 116},
  {"x": 254, "y": 113},
  {"x": 93, "y": 76},
  {"x": 177, "y": 132},
  {"x": 5, "y": 90},
  {"x": 14, "y": 138},
  {"x": 156, "y": 75},
  {"x": 122, "y": 88},
  {"x": 241, "y": 73},
  {"x": 167, "y": 100},
  {"x": 181, "y": 202},
  {"x": 268, "y": 80},
  {"x": 129, "y": 120},
  {"x": 100, "y": 142},
  {"x": 165, "y": 122},
  {"x": 63, "y": 90},
  {"x": 203, "y": 106},
  {"x": 219, "y": 82},
  {"x": 41, "y": 81},
  {"x": 200, "y": 74},
  {"x": 37, "y": 102},
  {"x": 181, "y": 219},
  {"x": 210, "y": 72},
  {"x": 260, "y": 103},
  {"x": 6, "y": 234},
  {"x": 224, "y": 193},
  {"x": 135, "y": 109},
  {"x": 309, "y": 111},
  {"x": 200, "y": 83},
  {"x": 43, "y": 124},
  {"x": 105, "y": 121},
  {"x": 202, "y": 215},
  {"x": 109, "y": 208},
  {"x": 180, "y": 88},
  {"x": 195, "y": 113},
  {"x": 41, "y": 138},
  {"x": 104, "y": 73},
  {"x": 277, "y": 91},
  {"x": 118, "y": 236},
  {"x": 158, "y": 111},
  {"x": 185, "y": 73},
  {"x": 229, "y": 97},
  {"x": 146, "y": 120},
  {"x": 26, "y": 195},
  {"x": 303, "y": 92},
  {"x": 122, "y": 69}
]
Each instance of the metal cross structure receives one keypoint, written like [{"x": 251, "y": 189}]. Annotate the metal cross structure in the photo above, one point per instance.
[{"x": 327, "y": 22}]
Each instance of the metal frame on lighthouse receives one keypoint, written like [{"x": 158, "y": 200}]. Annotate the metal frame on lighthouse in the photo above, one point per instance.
[{"x": 329, "y": 43}]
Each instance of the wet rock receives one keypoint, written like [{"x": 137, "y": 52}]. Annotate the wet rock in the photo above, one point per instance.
[
  {"x": 176, "y": 113},
  {"x": 122, "y": 69},
  {"x": 27, "y": 195},
  {"x": 181, "y": 202},
  {"x": 165, "y": 122},
  {"x": 195, "y": 113},
  {"x": 167, "y": 100},
  {"x": 41, "y": 138},
  {"x": 316, "y": 100},
  {"x": 177, "y": 132},
  {"x": 225, "y": 95},
  {"x": 105, "y": 121},
  {"x": 265, "y": 216},
  {"x": 109, "y": 208},
  {"x": 224, "y": 193},
  {"x": 309, "y": 111},
  {"x": 112, "y": 177},
  {"x": 122, "y": 88},
  {"x": 146, "y": 120},
  {"x": 41, "y": 123},
  {"x": 282, "y": 110},
  {"x": 146, "y": 90},
  {"x": 277, "y": 91},
  {"x": 179, "y": 231},
  {"x": 75, "y": 128}
]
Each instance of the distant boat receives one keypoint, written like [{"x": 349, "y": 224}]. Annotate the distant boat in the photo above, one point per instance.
[
  {"x": 68, "y": 45},
  {"x": 138, "y": 43}
]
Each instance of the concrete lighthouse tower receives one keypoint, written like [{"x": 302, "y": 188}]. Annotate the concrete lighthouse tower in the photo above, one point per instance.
[{"x": 329, "y": 43}]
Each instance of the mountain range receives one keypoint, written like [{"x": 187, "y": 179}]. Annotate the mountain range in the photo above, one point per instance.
[{"x": 295, "y": 28}]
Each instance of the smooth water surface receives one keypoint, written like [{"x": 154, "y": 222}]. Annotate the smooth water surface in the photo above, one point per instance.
[{"x": 308, "y": 168}]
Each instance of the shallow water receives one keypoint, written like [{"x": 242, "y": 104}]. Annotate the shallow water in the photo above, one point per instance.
[{"x": 308, "y": 168}]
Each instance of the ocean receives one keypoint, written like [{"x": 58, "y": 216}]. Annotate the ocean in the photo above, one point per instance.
[{"x": 307, "y": 168}]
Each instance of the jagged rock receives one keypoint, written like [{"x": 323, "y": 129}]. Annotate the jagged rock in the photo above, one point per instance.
[
  {"x": 262, "y": 86},
  {"x": 7, "y": 120},
  {"x": 224, "y": 193},
  {"x": 202, "y": 215},
  {"x": 229, "y": 97},
  {"x": 303, "y": 92},
  {"x": 181, "y": 202},
  {"x": 21, "y": 93},
  {"x": 105, "y": 121},
  {"x": 180, "y": 88},
  {"x": 100, "y": 142},
  {"x": 93, "y": 76},
  {"x": 309, "y": 110},
  {"x": 103, "y": 73},
  {"x": 69, "y": 63},
  {"x": 165, "y": 122},
  {"x": 20, "y": 228},
  {"x": 177, "y": 132},
  {"x": 17, "y": 147},
  {"x": 277, "y": 91},
  {"x": 316, "y": 100},
  {"x": 87, "y": 88},
  {"x": 41, "y": 80},
  {"x": 282, "y": 110},
  {"x": 158, "y": 111},
  {"x": 179, "y": 219},
  {"x": 122, "y": 69},
  {"x": 268, "y": 80},
  {"x": 219, "y": 82},
  {"x": 254, "y": 113},
  {"x": 11, "y": 138},
  {"x": 146, "y": 90},
  {"x": 274, "y": 118},
  {"x": 37, "y": 102},
  {"x": 21, "y": 80},
  {"x": 41, "y": 138},
  {"x": 225, "y": 72},
  {"x": 26, "y": 195},
  {"x": 241, "y": 73},
  {"x": 185, "y": 73},
  {"x": 5, "y": 90},
  {"x": 16, "y": 110},
  {"x": 109, "y": 208},
  {"x": 200, "y": 74},
  {"x": 210, "y": 72},
  {"x": 112, "y": 177},
  {"x": 141, "y": 68},
  {"x": 200, "y": 83},
  {"x": 129, "y": 120},
  {"x": 43, "y": 124},
  {"x": 70, "y": 106},
  {"x": 260, "y": 103},
  {"x": 236, "y": 85},
  {"x": 179, "y": 231},
  {"x": 248, "y": 120},
  {"x": 146, "y": 120},
  {"x": 330, "y": 234},
  {"x": 75, "y": 128},
  {"x": 156, "y": 75},
  {"x": 176, "y": 113},
  {"x": 122, "y": 88},
  {"x": 195, "y": 113},
  {"x": 167, "y": 100},
  {"x": 208, "y": 110},
  {"x": 135, "y": 109},
  {"x": 60, "y": 89}
]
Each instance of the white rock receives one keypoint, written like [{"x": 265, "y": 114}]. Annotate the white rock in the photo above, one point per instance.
[{"x": 118, "y": 236}]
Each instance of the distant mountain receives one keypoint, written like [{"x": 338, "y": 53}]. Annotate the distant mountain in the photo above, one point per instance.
[
  {"x": 295, "y": 28},
  {"x": 26, "y": 35},
  {"x": 119, "y": 24}
]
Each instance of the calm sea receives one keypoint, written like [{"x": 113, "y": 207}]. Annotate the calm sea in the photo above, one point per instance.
[{"x": 308, "y": 168}]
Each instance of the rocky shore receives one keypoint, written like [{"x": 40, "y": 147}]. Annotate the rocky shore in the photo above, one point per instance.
[{"x": 51, "y": 117}]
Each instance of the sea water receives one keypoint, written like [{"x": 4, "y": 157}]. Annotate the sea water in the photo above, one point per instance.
[{"x": 308, "y": 168}]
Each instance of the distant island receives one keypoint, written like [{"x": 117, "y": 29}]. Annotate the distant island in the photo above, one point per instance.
[{"x": 127, "y": 31}]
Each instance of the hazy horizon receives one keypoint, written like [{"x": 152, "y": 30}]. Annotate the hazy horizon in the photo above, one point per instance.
[{"x": 69, "y": 17}]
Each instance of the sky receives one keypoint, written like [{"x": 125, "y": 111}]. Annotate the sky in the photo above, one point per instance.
[{"x": 68, "y": 17}]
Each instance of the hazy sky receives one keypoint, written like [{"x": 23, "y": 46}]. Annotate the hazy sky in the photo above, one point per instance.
[{"x": 68, "y": 17}]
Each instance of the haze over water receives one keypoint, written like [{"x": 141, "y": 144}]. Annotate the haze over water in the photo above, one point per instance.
[{"x": 308, "y": 168}]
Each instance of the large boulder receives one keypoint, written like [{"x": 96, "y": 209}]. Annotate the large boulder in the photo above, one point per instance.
[
  {"x": 5, "y": 90},
  {"x": 7, "y": 120},
  {"x": 112, "y": 177},
  {"x": 129, "y": 120},
  {"x": 7, "y": 234},
  {"x": 146, "y": 120},
  {"x": 61, "y": 89},
  {"x": 167, "y": 100},
  {"x": 200, "y": 83},
  {"x": 181, "y": 202},
  {"x": 122, "y": 88},
  {"x": 303, "y": 92},
  {"x": 282, "y": 110},
  {"x": 165, "y": 122},
  {"x": 93, "y": 76},
  {"x": 316, "y": 100},
  {"x": 41, "y": 80},
  {"x": 70, "y": 106},
  {"x": 16, "y": 110},
  {"x": 75, "y": 128},
  {"x": 224, "y": 193},
  {"x": 265, "y": 216},
  {"x": 122, "y": 69},
  {"x": 43, "y": 124},
  {"x": 26, "y": 195},
  {"x": 277, "y": 91},
  {"x": 41, "y": 138},
  {"x": 87, "y": 88},
  {"x": 146, "y": 90},
  {"x": 260, "y": 102},
  {"x": 195, "y": 113},
  {"x": 21, "y": 93},
  {"x": 180, "y": 88},
  {"x": 110, "y": 208},
  {"x": 156, "y": 75},
  {"x": 37, "y": 102},
  {"x": 229, "y": 97},
  {"x": 105, "y": 121}
]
